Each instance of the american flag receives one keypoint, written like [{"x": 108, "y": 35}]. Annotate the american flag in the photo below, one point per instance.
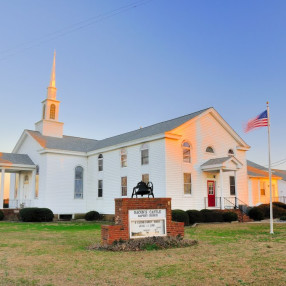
[{"x": 258, "y": 121}]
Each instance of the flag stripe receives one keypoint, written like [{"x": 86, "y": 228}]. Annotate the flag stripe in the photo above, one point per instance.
[{"x": 259, "y": 121}]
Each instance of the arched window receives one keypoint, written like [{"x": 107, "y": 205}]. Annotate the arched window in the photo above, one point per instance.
[
  {"x": 100, "y": 162},
  {"x": 210, "y": 149},
  {"x": 123, "y": 153},
  {"x": 53, "y": 112},
  {"x": 186, "y": 152},
  {"x": 230, "y": 152},
  {"x": 145, "y": 154},
  {"x": 78, "y": 183},
  {"x": 44, "y": 111}
]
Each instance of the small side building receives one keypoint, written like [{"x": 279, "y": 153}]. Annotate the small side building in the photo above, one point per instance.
[{"x": 258, "y": 184}]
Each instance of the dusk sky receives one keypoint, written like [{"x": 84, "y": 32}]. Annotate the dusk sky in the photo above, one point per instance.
[{"x": 122, "y": 66}]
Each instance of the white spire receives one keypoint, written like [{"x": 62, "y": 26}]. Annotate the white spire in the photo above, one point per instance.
[
  {"x": 52, "y": 91},
  {"x": 53, "y": 74}
]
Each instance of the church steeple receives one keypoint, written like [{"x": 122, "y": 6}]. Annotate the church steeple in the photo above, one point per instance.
[
  {"x": 49, "y": 125},
  {"x": 52, "y": 90}
]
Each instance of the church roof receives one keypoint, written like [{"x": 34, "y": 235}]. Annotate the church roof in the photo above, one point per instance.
[
  {"x": 70, "y": 143},
  {"x": 15, "y": 159},
  {"x": 255, "y": 170}
]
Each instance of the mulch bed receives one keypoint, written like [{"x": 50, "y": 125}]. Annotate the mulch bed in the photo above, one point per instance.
[{"x": 148, "y": 243}]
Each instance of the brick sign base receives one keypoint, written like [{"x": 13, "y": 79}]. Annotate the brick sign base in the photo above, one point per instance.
[{"x": 120, "y": 231}]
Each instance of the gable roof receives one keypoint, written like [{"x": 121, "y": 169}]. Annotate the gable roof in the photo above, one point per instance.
[
  {"x": 15, "y": 159},
  {"x": 255, "y": 170},
  {"x": 70, "y": 143},
  {"x": 280, "y": 173}
]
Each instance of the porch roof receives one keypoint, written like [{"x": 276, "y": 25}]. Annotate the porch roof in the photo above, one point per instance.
[
  {"x": 12, "y": 162},
  {"x": 229, "y": 163}
]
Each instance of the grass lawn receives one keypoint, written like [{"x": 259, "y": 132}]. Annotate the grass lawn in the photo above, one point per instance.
[{"x": 227, "y": 254}]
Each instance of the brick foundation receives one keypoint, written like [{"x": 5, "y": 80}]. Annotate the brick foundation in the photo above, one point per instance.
[
  {"x": 11, "y": 214},
  {"x": 110, "y": 233}
]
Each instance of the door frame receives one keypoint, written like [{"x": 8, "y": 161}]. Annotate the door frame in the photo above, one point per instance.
[{"x": 214, "y": 184}]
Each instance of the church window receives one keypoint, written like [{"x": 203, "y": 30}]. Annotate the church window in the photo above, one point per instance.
[
  {"x": 100, "y": 189},
  {"x": 124, "y": 186},
  {"x": 100, "y": 162},
  {"x": 232, "y": 185},
  {"x": 187, "y": 184},
  {"x": 44, "y": 111},
  {"x": 186, "y": 152},
  {"x": 53, "y": 112},
  {"x": 78, "y": 184},
  {"x": 145, "y": 178},
  {"x": 210, "y": 149},
  {"x": 145, "y": 154},
  {"x": 123, "y": 158}
]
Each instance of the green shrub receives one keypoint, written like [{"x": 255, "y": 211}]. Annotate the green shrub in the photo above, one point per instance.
[
  {"x": 1, "y": 215},
  {"x": 211, "y": 216},
  {"x": 36, "y": 214},
  {"x": 92, "y": 215},
  {"x": 194, "y": 216},
  {"x": 277, "y": 211},
  {"x": 180, "y": 216},
  {"x": 256, "y": 213},
  {"x": 280, "y": 205},
  {"x": 283, "y": 218},
  {"x": 229, "y": 216}
]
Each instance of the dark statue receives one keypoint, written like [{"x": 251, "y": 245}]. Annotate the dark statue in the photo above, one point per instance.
[{"x": 143, "y": 189}]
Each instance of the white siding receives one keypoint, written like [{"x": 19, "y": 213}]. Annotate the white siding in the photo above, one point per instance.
[
  {"x": 60, "y": 179},
  {"x": 112, "y": 173},
  {"x": 203, "y": 132}
]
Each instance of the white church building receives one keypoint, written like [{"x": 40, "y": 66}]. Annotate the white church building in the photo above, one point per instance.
[{"x": 198, "y": 160}]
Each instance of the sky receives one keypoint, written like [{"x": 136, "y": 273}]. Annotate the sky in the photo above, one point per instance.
[{"x": 125, "y": 64}]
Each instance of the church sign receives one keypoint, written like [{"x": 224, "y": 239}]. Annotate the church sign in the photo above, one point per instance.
[
  {"x": 137, "y": 218},
  {"x": 147, "y": 222}
]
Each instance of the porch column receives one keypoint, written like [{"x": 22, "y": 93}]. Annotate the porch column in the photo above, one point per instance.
[
  {"x": 236, "y": 190},
  {"x": 221, "y": 189},
  {"x": 32, "y": 195},
  {"x": 2, "y": 189}
]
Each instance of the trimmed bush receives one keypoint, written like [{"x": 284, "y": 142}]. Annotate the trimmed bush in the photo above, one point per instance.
[
  {"x": 92, "y": 215},
  {"x": 256, "y": 214},
  {"x": 280, "y": 205},
  {"x": 180, "y": 216},
  {"x": 1, "y": 215},
  {"x": 211, "y": 216},
  {"x": 229, "y": 216},
  {"x": 36, "y": 214},
  {"x": 277, "y": 211},
  {"x": 194, "y": 216}
]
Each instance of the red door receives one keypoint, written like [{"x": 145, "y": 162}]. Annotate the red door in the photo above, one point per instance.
[{"x": 211, "y": 193}]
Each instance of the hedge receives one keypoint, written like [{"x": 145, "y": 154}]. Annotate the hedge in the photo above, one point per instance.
[
  {"x": 280, "y": 205},
  {"x": 211, "y": 215},
  {"x": 256, "y": 213},
  {"x": 36, "y": 214},
  {"x": 1, "y": 215},
  {"x": 92, "y": 215},
  {"x": 229, "y": 216},
  {"x": 194, "y": 216},
  {"x": 180, "y": 216},
  {"x": 277, "y": 211}
]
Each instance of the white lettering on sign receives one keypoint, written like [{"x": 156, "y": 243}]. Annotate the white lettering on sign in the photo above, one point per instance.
[{"x": 143, "y": 223}]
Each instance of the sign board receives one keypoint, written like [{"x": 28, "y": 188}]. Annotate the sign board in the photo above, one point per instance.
[{"x": 144, "y": 223}]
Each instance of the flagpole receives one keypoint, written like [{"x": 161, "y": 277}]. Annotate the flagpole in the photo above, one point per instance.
[{"x": 269, "y": 169}]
